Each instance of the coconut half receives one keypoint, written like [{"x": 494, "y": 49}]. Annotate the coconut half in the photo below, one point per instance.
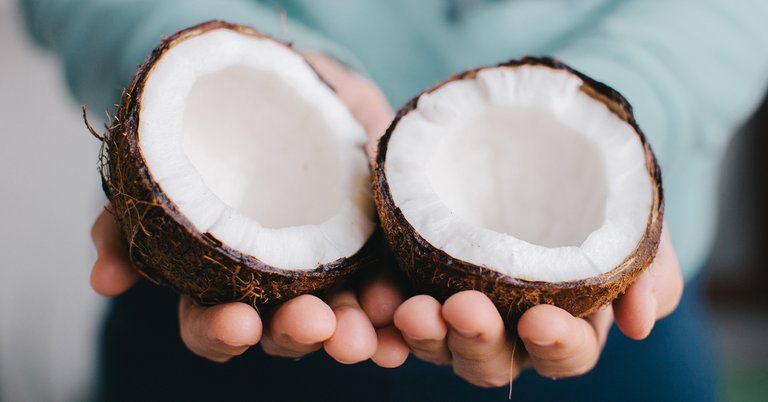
[
  {"x": 527, "y": 181},
  {"x": 235, "y": 172}
]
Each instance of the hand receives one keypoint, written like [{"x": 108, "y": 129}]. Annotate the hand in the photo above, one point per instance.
[
  {"x": 467, "y": 330},
  {"x": 344, "y": 326},
  {"x": 351, "y": 329},
  {"x": 363, "y": 98}
]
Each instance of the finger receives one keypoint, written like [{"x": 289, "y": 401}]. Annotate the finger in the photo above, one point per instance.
[
  {"x": 219, "y": 332},
  {"x": 379, "y": 299},
  {"x": 112, "y": 273},
  {"x": 477, "y": 339},
  {"x": 561, "y": 345},
  {"x": 654, "y": 295},
  {"x": 371, "y": 108},
  {"x": 364, "y": 99},
  {"x": 421, "y": 322},
  {"x": 299, "y": 327},
  {"x": 355, "y": 338},
  {"x": 391, "y": 350}
]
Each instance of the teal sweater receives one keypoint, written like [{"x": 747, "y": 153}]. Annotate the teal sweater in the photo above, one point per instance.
[{"x": 694, "y": 70}]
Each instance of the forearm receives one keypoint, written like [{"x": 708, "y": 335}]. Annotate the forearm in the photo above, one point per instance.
[
  {"x": 101, "y": 42},
  {"x": 693, "y": 70}
]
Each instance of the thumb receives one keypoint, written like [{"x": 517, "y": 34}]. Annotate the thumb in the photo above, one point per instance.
[{"x": 112, "y": 273}]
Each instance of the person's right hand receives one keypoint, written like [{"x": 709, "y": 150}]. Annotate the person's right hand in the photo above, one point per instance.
[{"x": 467, "y": 331}]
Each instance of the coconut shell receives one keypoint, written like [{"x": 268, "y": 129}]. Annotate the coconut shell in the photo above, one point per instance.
[
  {"x": 435, "y": 272},
  {"x": 162, "y": 243}
]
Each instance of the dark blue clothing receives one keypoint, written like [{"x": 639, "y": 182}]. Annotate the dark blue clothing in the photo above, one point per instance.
[{"x": 143, "y": 359}]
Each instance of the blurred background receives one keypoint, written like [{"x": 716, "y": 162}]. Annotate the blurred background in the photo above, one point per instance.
[{"x": 49, "y": 195}]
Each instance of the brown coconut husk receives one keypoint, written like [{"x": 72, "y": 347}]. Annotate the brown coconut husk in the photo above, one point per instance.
[
  {"x": 435, "y": 272},
  {"x": 164, "y": 246}
]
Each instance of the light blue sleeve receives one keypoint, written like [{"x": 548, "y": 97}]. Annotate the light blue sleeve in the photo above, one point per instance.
[
  {"x": 101, "y": 42},
  {"x": 694, "y": 71}
]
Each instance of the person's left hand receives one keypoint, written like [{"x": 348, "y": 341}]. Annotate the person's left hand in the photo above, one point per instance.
[{"x": 467, "y": 331}]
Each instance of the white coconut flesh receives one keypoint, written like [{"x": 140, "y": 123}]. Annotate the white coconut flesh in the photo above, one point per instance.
[
  {"x": 518, "y": 170},
  {"x": 253, "y": 148}
]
